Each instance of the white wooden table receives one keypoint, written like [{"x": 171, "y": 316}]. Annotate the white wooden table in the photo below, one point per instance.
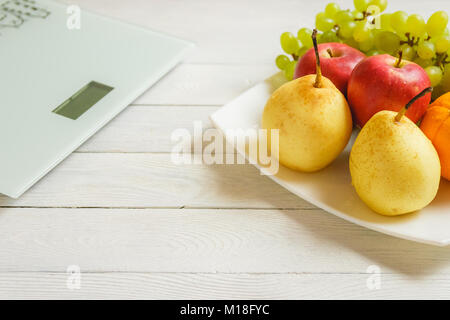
[{"x": 139, "y": 226}]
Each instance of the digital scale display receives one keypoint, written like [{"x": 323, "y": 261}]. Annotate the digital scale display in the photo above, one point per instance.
[{"x": 83, "y": 100}]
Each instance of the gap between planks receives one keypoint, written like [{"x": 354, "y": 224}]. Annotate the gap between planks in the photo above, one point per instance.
[
  {"x": 206, "y": 273},
  {"x": 162, "y": 208}
]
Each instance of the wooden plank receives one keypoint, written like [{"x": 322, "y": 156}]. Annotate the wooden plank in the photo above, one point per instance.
[
  {"x": 205, "y": 84},
  {"x": 219, "y": 286},
  {"x": 153, "y": 180},
  {"x": 233, "y": 31},
  {"x": 197, "y": 253},
  {"x": 225, "y": 31},
  {"x": 207, "y": 241},
  {"x": 148, "y": 129}
]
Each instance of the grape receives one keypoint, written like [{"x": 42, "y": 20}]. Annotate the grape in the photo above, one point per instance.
[
  {"x": 331, "y": 9},
  {"x": 409, "y": 53},
  {"x": 367, "y": 44},
  {"x": 352, "y": 43},
  {"x": 343, "y": 17},
  {"x": 437, "y": 92},
  {"x": 372, "y": 10},
  {"x": 320, "y": 15},
  {"x": 304, "y": 35},
  {"x": 357, "y": 15},
  {"x": 361, "y": 5},
  {"x": 324, "y": 24},
  {"x": 442, "y": 43},
  {"x": 346, "y": 29},
  {"x": 385, "y": 22},
  {"x": 329, "y": 36},
  {"x": 373, "y": 53},
  {"x": 361, "y": 32},
  {"x": 319, "y": 35},
  {"x": 376, "y": 31},
  {"x": 282, "y": 61},
  {"x": 423, "y": 62},
  {"x": 437, "y": 23},
  {"x": 387, "y": 41},
  {"x": 289, "y": 43},
  {"x": 416, "y": 25},
  {"x": 290, "y": 69},
  {"x": 426, "y": 50},
  {"x": 435, "y": 75},
  {"x": 382, "y": 4},
  {"x": 446, "y": 79},
  {"x": 300, "y": 53},
  {"x": 398, "y": 22}
]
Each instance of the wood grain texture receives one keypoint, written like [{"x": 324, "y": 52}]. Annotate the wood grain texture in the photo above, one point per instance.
[
  {"x": 148, "y": 129},
  {"x": 233, "y": 31},
  {"x": 152, "y": 180},
  {"x": 118, "y": 207},
  {"x": 206, "y": 241},
  {"x": 219, "y": 286},
  {"x": 198, "y": 84}
]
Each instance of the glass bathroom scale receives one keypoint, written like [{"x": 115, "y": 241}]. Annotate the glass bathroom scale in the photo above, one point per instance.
[{"x": 59, "y": 84}]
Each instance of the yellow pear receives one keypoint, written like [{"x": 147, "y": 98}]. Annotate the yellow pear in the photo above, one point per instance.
[
  {"x": 313, "y": 118},
  {"x": 394, "y": 167}
]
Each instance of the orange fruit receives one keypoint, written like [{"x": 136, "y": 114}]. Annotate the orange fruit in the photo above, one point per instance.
[
  {"x": 436, "y": 126},
  {"x": 442, "y": 101}
]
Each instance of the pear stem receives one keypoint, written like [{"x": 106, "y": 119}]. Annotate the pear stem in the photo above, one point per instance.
[
  {"x": 400, "y": 57},
  {"x": 405, "y": 108},
  {"x": 318, "y": 82}
]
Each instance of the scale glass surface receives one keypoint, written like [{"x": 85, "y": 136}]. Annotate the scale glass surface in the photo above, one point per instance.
[{"x": 59, "y": 85}]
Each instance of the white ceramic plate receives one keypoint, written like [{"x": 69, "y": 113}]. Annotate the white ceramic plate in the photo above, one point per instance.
[{"x": 331, "y": 188}]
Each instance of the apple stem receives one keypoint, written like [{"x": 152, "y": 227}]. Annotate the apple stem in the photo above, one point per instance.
[
  {"x": 330, "y": 52},
  {"x": 399, "y": 61},
  {"x": 318, "y": 83},
  {"x": 402, "y": 112}
]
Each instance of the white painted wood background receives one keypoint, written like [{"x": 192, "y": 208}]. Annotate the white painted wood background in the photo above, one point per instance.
[{"x": 141, "y": 227}]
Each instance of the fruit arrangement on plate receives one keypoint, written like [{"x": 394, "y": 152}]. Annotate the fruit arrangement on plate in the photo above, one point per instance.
[
  {"x": 371, "y": 31},
  {"x": 346, "y": 73}
]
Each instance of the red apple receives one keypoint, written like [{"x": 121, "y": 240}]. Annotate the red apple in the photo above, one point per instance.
[
  {"x": 337, "y": 61},
  {"x": 384, "y": 83}
]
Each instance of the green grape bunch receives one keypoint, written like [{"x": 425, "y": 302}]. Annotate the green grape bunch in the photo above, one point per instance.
[{"x": 370, "y": 29}]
